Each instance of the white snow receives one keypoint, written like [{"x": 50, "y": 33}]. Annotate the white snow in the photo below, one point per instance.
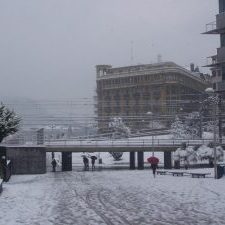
[{"x": 112, "y": 197}]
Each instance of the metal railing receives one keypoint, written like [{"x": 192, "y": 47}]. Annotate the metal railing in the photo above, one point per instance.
[
  {"x": 210, "y": 26},
  {"x": 129, "y": 142}
]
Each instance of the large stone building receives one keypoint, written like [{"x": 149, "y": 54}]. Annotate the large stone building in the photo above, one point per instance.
[{"x": 135, "y": 92}]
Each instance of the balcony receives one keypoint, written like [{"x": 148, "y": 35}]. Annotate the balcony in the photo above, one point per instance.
[
  {"x": 211, "y": 61},
  {"x": 216, "y": 27},
  {"x": 210, "y": 27}
]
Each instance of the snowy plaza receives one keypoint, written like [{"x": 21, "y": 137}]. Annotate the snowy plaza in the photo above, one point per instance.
[{"x": 112, "y": 197}]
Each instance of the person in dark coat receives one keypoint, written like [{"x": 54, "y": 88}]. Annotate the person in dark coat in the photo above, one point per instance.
[
  {"x": 53, "y": 165},
  {"x": 93, "y": 158},
  {"x": 86, "y": 163},
  {"x": 154, "y": 167}
]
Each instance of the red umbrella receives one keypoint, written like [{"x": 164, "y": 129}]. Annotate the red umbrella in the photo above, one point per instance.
[{"x": 153, "y": 160}]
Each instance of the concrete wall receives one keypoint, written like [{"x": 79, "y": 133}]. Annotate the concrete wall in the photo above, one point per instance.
[{"x": 27, "y": 160}]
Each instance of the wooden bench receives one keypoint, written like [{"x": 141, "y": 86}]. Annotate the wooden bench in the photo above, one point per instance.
[
  {"x": 161, "y": 172},
  {"x": 176, "y": 173},
  {"x": 199, "y": 175}
]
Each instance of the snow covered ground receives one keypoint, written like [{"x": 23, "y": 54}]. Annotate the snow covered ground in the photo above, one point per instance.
[{"x": 112, "y": 197}]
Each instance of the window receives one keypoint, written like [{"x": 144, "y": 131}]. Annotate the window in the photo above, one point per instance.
[
  {"x": 222, "y": 40},
  {"x": 221, "y": 6},
  {"x": 223, "y": 73}
]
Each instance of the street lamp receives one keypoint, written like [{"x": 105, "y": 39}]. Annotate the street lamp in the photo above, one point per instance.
[
  {"x": 52, "y": 126},
  {"x": 151, "y": 114},
  {"x": 214, "y": 101}
]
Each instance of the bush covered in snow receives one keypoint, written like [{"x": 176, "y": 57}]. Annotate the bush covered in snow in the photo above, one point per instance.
[
  {"x": 9, "y": 122},
  {"x": 195, "y": 153},
  {"x": 188, "y": 154},
  {"x": 207, "y": 152},
  {"x": 116, "y": 155},
  {"x": 118, "y": 128}
]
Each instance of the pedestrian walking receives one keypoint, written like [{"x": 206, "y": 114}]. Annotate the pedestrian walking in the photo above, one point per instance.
[
  {"x": 154, "y": 167},
  {"x": 154, "y": 163},
  {"x": 53, "y": 164},
  {"x": 93, "y": 158},
  {"x": 86, "y": 163}
]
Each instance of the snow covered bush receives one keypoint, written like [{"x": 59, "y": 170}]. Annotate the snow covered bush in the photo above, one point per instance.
[
  {"x": 207, "y": 153},
  {"x": 116, "y": 155},
  {"x": 186, "y": 154},
  {"x": 9, "y": 122},
  {"x": 119, "y": 129}
]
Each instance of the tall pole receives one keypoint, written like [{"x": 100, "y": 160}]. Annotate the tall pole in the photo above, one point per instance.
[
  {"x": 214, "y": 103},
  {"x": 214, "y": 139},
  {"x": 219, "y": 118}
]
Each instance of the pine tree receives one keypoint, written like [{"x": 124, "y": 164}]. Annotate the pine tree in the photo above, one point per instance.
[
  {"x": 192, "y": 125},
  {"x": 178, "y": 128},
  {"x": 9, "y": 122}
]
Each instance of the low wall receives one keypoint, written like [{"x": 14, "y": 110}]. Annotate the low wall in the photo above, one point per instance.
[{"x": 27, "y": 160}]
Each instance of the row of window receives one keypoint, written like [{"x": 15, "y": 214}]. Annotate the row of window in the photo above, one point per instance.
[{"x": 138, "y": 79}]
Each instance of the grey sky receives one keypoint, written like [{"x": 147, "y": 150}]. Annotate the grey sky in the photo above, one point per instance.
[{"x": 49, "y": 48}]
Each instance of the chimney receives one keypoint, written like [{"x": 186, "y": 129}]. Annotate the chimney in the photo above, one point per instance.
[{"x": 192, "y": 67}]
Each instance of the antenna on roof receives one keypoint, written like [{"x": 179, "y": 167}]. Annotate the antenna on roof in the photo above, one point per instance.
[
  {"x": 159, "y": 58},
  {"x": 132, "y": 53}
]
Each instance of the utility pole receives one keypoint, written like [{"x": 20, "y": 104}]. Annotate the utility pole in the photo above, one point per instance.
[{"x": 219, "y": 117}]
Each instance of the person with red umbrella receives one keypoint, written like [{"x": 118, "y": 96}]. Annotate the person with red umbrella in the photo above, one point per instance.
[{"x": 154, "y": 163}]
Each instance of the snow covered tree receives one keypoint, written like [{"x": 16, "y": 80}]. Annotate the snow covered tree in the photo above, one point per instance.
[
  {"x": 192, "y": 125},
  {"x": 187, "y": 154},
  {"x": 119, "y": 129},
  {"x": 178, "y": 128},
  {"x": 9, "y": 122},
  {"x": 207, "y": 153},
  {"x": 116, "y": 155},
  {"x": 190, "y": 128}
]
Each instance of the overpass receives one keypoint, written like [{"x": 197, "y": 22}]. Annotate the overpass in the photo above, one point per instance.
[
  {"x": 122, "y": 145},
  {"x": 32, "y": 158}
]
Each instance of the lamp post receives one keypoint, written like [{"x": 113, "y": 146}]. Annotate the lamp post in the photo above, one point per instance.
[
  {"x": 52, "y": 126},
  {"x": 214, "y": 101},
  {"x": 151, "y": 115}
]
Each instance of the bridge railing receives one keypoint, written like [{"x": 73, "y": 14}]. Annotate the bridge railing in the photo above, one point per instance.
[{"x": 130, "y": 142}]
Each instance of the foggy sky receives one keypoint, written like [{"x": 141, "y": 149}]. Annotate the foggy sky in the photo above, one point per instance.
[{"x": 49, "y": 48}]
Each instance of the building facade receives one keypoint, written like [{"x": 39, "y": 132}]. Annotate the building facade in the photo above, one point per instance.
[
  {"x": 136, "y": 93},
  {"x": 217, "y": 62}
]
